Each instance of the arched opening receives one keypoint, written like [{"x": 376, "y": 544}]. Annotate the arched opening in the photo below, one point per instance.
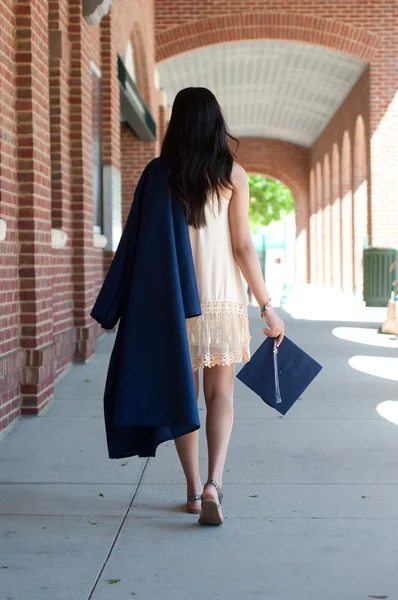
[
  {"x": 346, "y": 216},
  {"x": 273, "y": 230},
  {"x": 319, "y": 225},
  {"x": 335, "y": 221},
  {"x": 287, "y": 163},
  {"x": 327, "y": 255},
  {"x": 360, "y": 204},
  {"x": 264, "y": 156}
]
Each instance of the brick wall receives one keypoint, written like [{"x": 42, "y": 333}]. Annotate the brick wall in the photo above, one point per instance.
[
  {"x": 135, "y": 22},
  {"x": 34, "y": 196},
  {"x": 341, "y": 168},
  {"x": 135, "y": 156},
  {"x": 47, "y": 292},
  {"x": 85, "y": 47}
]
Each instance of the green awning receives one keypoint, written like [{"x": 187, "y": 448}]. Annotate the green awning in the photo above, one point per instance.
[{"x": 133, "y": 109}]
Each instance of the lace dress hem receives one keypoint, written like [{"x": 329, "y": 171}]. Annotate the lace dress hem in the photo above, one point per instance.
[
  {"x": 213, "y": 360},
  {"x": 220, "y": 335}
]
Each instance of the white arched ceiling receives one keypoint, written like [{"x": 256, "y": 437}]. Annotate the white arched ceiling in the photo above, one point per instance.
[{"x": 276, "y": 89}]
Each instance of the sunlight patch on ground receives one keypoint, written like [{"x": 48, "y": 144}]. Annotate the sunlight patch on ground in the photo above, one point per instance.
[
  {"x": 361, "y": 335},
  {"x": 313, "y": 310},
  {"x": 389, "y": 410},
  {"x": 379, "y": 366},
  {"x": 315, "y": 303}
]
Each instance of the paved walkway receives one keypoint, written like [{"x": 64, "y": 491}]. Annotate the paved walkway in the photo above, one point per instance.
[{"x": 311, "y": 500}]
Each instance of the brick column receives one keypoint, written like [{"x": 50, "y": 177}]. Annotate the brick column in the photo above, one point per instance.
[
  {"x": 327, "y": 253},
  {"x": 312, "y": 238},
  {"x": 59, "y": 62},
  {"x": 110, "y": 136},
  {"x": 302, "y": 240},
  {"x": 336, "y": 219},
  {"x": 360, "y": 205},
  {"x": 12, "y": 357},
  {"x": 34, "y": 217},
  {"x": 59, "y": 71},
  {"x": 346, "y": 217},
  {"x": 84, "y": 255},
  {"x": 319, "y": 258}
]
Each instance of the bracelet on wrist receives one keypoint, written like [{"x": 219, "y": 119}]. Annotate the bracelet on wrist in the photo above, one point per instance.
[{"x": 266, "y": 307}]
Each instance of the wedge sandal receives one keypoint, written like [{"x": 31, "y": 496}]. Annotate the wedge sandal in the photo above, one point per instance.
[{"x": 211, "y": 513}]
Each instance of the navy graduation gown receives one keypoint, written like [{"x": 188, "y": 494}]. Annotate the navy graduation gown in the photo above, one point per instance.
[{"x": 151, "y": 287}]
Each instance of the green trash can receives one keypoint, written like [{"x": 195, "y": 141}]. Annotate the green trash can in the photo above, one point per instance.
[{"x": 377, "y": 280}]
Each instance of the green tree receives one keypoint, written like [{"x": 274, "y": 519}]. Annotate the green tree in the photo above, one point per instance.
[{"x": 270, "y": 200}]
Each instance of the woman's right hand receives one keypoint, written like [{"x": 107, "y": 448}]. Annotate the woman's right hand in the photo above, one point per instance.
[{"x": 276, "y": 326}]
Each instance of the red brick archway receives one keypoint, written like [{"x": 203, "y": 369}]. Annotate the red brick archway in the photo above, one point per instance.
[
  {"x": 266, "y": 156},
  {"x": 289, "y": 164},
  {"x": 274, "y": 174},
  {"x": 266, "y": 25}
]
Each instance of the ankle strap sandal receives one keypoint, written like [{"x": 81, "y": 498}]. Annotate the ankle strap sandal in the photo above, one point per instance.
[
  {"x": 192, "y": 498},
  {"x": 219, "y": 491},
  {"x": 211, "y": 513}
]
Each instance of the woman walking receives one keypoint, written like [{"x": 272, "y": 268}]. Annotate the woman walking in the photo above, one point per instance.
[{"x": 213, "y": 190}]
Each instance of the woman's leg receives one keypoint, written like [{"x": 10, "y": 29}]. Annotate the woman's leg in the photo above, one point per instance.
[
  {"x": 218, "y": 386},
  {"x": 188, "y": 452}
]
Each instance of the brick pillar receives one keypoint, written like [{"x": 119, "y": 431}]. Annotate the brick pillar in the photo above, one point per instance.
[
  {"x": 312, "y": 238},
  {"x": 360, "y": 205},
  {"x": 302, "y": 275},
  {"x": 327, "y": 254},
  {"x": 336, "y": 219},
  {"x": 319, "y": 225},
  {"x": 34, "y": 217},
  {"x": 135, "y": 155},
  {"x": 59, "y": 71},
  {"x": 84, "y": 254},
  {"x": 12, "y": 357},
  {"x": 59, "y": 113},
  {"x": 346, "y": 217},
  {"x": 110, "y": 137}
]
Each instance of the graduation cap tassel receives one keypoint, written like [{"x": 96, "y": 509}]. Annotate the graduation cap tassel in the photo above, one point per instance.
[{"x": 278, "y": 398}]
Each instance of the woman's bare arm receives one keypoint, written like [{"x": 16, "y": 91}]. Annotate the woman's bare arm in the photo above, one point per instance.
[{"x": 244, "y": 251}]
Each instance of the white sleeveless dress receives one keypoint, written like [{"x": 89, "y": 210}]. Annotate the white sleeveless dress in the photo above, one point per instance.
[{"x": 220, "y": 336}]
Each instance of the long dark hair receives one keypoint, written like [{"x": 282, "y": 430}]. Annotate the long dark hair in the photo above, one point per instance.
[{"x": 196, "y": 149}]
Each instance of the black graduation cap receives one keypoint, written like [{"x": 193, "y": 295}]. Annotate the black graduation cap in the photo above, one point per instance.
[{"x": 279, "y": 375}]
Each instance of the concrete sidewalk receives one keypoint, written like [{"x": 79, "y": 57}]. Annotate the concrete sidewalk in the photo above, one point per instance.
[{"x": 311, "y": 499}]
